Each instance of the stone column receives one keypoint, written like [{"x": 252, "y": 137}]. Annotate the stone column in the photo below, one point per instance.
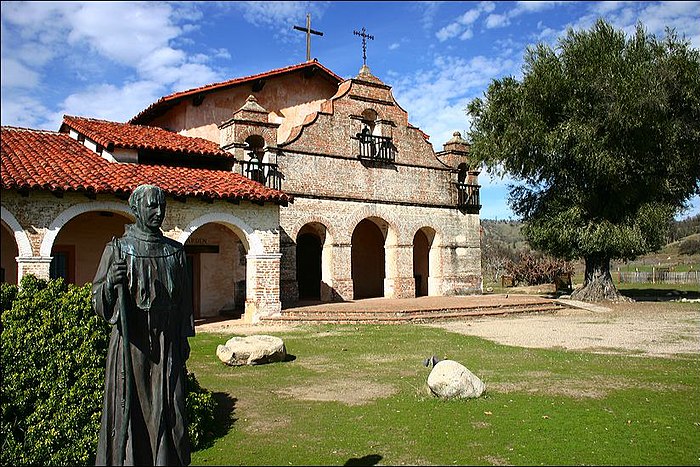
[
  {"x": 263, "y": 286},
  {"x": 288, "y": 272},
  {"x": 342, "y": 287},
  {"x": 37, "y": 265},
  {"x": 399, "y": 281},
  {"x": 462, "y": 270}
]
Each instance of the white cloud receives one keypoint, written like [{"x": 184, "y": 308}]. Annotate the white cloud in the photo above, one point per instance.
[
  {"x": 448, "y": 32},
  {"x": 394, "y": 46},
  {"x": 461, "y": 25},
  {"x": 468, "y": 34},
  {"x": 24, "y": 111},
  {"x": 496, "y": 21},
  {"x": 436, "y": 99},
  {"x": 98, "y": 42},
  {"x": 14, "y": 74},
  {"x": 109, "y": 102},
  {"x": 536, "y": 6},
  {"x": 126, "y": 33},
  {"x": 428, "y": 12}
]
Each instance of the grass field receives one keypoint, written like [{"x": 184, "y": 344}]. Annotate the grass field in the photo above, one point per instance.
[{"x": 356, "y": 395}]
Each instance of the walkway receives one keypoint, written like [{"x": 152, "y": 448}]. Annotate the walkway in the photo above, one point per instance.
[{"x": 386, "y": 310}]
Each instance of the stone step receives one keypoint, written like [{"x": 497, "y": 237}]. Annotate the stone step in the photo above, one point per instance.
[{"x": 360, "y": 316}]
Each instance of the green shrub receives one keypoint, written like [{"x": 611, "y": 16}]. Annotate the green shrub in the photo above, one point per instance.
[
  {"x": 200, "y": 407},
  {"x": 53, "y": 357},
  {"x": 8, "y": 293}
]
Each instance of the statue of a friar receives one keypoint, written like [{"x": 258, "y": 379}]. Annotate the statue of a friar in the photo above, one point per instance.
[{"x": 143, "y": 289}]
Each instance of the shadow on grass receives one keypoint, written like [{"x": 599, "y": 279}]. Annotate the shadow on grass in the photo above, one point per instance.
[
  {"x": 658, "y": 295},
  {"x": 371, "y": 459},
  {"x": 223, "y": 418}
]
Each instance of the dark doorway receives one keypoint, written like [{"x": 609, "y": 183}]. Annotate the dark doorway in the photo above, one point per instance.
[
  {"x": 309, "y": 266},
  {"x": 367, "y": 260},
  {"x": 421, "y": 265}
]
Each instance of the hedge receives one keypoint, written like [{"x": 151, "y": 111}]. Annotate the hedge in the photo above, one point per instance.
[{"x": 54, "y": 349}]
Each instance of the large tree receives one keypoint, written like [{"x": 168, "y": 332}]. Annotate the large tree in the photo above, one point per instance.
[{"x": 602, "y": 135}]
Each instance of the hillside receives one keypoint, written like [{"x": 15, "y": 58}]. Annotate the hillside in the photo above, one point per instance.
[{"x": 502, "y": 240}]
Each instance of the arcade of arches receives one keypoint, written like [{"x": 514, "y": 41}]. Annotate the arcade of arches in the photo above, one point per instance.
[
  {"x": 372, "y": 260},
  {"x": 232, "y": 252}
]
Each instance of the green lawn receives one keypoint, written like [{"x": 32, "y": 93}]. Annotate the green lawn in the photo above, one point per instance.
[{"x": 356, "y": 395}]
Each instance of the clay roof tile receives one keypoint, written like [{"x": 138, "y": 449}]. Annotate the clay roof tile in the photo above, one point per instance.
[{"x": 44, "y": 160}]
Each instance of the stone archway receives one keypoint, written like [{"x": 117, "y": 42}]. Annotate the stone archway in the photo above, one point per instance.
[
  {"x": 10, "y": 251},
  {"x": 73, "y": 211},
  {"x": 309, "y": 252},
  {"x": 216, "y": 261},
  {"x": 78, "y": 245},
  {"x": 368, "y": 268},
  {"x": 422, "y": 264}
]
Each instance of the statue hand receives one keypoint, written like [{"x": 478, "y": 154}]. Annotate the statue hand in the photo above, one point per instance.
[{"x": 116, "y": 274}]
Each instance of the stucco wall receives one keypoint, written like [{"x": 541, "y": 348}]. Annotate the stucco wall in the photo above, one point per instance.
[{"x": 289, "y": 96}]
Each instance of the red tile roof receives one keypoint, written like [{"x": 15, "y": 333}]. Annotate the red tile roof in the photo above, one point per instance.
[
  {"x": 46, "y": 160},
  {"x": 167, "y": 101},
  {"x": 125, "y": 135}
]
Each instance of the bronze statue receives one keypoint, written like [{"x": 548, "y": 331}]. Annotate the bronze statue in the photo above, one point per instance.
[{"x": 142, "y": 287}]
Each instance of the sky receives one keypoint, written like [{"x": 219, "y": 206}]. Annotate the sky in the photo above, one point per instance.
[{"x": 111, "y": 60}]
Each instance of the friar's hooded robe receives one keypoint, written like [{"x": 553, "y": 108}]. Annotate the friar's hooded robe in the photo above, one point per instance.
[{"x": 159, "y": 319}]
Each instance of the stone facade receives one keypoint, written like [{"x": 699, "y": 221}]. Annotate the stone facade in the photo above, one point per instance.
[
  {"x": 377, "y": 212},
  {"x": 317, "y": 151}
]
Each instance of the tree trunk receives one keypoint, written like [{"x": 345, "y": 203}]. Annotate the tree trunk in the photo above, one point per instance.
[{"x": 598, "y": 283}]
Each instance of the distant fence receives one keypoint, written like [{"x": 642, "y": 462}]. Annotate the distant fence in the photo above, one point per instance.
[{"x": 660, "y": 276}]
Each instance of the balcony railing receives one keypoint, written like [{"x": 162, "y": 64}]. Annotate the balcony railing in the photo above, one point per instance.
[
  {"x": 376, "y": 148},
  {"x": 262, "y": 172},
  {"x": 468, "y": 197}
]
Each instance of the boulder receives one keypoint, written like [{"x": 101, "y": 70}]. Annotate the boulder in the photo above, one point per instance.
[
  {"x": 252, "y": 350},
  {"x": 450, "y": 379}
]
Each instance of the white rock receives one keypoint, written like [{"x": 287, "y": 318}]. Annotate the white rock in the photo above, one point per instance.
[
  {"x": 252, "y": 350},
  {"x": 450, "y": 379}
]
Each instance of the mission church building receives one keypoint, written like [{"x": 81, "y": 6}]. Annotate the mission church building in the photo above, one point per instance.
[{"x": 288, "y": 186}]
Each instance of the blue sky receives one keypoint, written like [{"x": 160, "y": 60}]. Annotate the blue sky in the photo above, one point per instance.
[{"x": 112, "y": 59}]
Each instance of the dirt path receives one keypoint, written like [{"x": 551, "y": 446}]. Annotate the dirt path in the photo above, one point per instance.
[{"x": 645, "y": 328}]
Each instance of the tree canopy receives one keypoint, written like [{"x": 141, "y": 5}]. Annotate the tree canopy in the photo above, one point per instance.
[{"x": 603, "y": 132}]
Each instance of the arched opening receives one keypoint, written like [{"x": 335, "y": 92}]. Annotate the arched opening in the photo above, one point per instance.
[
  {"x": 78, "y": 247},
  {"x": 8, "y": 251},
  {"x": 422, "y": 241},
  {"x": 216, "y": 262},
  {"x": 368, "y": 259},
  {"x": 369, "y": 121},
  {"x": 255, "y": 146},
  {"x": 309, "y": 250}
]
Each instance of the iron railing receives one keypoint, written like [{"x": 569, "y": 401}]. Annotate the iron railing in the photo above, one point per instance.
[
  {"x": 468, "y": 196},
  {"x": 376, "y": 148},
  {"x": 262, "y": 172}
]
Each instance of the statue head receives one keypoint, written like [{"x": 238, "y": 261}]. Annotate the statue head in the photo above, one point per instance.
[{"x": 147, "y": 202}]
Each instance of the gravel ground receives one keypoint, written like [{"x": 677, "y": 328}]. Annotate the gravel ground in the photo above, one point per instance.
[{"x": 642, "y": 328}]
